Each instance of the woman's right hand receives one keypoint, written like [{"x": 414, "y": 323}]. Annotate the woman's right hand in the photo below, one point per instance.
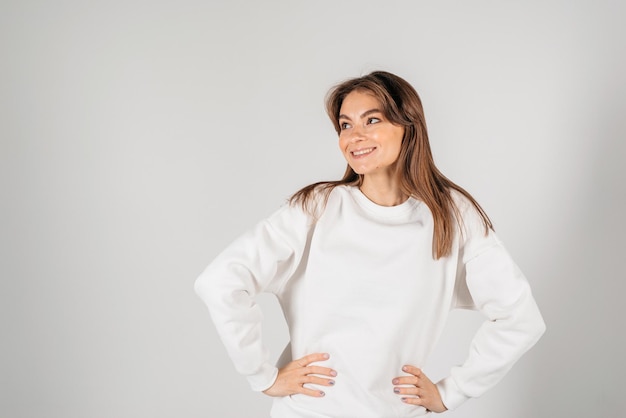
[{"x": 294, "y": 375}]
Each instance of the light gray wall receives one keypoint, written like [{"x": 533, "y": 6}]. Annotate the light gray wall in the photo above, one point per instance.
[{"x": 138, "y": 138}]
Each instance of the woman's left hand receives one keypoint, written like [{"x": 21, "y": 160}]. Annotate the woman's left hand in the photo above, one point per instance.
[{"x": 422, "y": 391}]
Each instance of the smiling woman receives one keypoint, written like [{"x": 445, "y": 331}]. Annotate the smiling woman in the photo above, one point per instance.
[
  {"x": 410, "y": 171},
  {"x": 366, "y": 269},
  {"x": 370, "y": 142}
]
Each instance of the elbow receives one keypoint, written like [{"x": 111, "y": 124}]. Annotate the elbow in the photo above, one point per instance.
[
  {"x": 198, "y": 286},
  {"x": 218, "y": 292},
  {"x": 535, "y": 328},
  {"x": 529, "y": 326},
  {"x": 540, "y": 328},
  {"x": 203, "y": 287}
]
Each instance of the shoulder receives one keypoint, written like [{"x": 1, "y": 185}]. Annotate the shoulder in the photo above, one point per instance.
[
  {"x": 467, "y": 215},
  {"x": 308, "y": 208},
  {"x": 315, "y": 198},
  {"x": 474, "y": 230},
  {"x": 463, "y": 204},
  {"x": 289, "y": 213}
]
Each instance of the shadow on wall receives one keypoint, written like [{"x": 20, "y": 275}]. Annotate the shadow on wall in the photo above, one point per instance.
[{"x": 580, "y": 359}]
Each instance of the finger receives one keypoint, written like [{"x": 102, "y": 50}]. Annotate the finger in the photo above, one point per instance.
[
  {"x": 407, "y": 380},
  {"x": 324, "y": 371},
  {"x": 311, "y": 392},
  {"x": 311, "y": 358},
  {"x": 408, "y": 390},
  {"x": 415, "y": 371},
  {"x": 412, "y": 400},
  {"x": 318, "y": 381}
]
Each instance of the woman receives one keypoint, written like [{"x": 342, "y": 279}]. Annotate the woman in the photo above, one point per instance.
[{"x": 366, "y": 270}]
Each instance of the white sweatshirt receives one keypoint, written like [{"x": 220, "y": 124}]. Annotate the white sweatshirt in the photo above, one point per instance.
[{"x": 360, "y": 283}]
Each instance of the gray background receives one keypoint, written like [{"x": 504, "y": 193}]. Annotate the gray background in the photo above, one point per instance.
[{"x": 138, "y": 138}]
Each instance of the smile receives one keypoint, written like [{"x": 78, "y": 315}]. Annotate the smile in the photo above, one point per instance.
[{"x": 364, "y": 151}]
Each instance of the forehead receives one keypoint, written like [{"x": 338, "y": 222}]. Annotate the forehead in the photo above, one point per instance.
[{"x": 358, "y": 101}]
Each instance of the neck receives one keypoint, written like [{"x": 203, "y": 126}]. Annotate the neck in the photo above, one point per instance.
[{"x": 383, "y": 190}]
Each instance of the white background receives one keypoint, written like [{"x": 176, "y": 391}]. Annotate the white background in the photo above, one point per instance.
[{"x": 138, "y": 138}]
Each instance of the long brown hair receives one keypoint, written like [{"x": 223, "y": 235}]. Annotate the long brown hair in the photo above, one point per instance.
[{"x": 419, "y": 177}]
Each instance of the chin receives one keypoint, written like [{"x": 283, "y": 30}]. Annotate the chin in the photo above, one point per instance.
[{"x": 361, "y": 171}]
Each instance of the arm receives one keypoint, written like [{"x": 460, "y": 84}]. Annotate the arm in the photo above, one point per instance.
[
  {"x": 261, "y": 260},
  {"x": 514, "y": 324}
]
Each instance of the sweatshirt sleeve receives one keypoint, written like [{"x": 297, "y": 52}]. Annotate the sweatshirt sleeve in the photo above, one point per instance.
[
  {"x": 492, "y": 283},
  {"x": 261, "y": 260}
]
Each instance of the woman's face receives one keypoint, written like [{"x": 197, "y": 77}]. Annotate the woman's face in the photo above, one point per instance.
[{"x": 369, "y": 142}]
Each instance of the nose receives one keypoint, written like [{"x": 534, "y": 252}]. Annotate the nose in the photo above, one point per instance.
[{"x": 356, "y": 134}]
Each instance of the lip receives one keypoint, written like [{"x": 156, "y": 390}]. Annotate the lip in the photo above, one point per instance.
[{"x": 362, "y": 152}]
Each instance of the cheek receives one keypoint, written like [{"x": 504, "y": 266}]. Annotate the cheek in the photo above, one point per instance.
[
  {"x": 393, "y": 149},
  {"x": 398, "y": 140},
  {"x": 399, "y": 146},
  {"x": 343, "y": 143}
]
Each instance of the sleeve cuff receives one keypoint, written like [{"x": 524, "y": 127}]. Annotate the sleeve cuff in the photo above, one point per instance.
[
  {"x": 450, "y": 393},
  {"x": 264, "y": 378}
]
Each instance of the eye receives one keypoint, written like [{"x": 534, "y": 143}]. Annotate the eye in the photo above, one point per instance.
[
  {"x": 344, "y": 125},
  {"x": 372, "y": 121}
]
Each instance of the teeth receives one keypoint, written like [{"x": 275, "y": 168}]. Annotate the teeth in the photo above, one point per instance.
[{"x": 362, "y": 151}]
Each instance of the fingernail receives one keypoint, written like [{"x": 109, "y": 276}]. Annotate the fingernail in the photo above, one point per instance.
[
  {"x": 395, "y": 381},
  {"x": 322, "y": 393},
  {"x": 403, "y": 399},
  {"x": 333, "y": 373},
  {"x": 405, "y": 368},
  {"x": 331, "y": 382},
  {"x": 396, "y": 390},
  {"x": 326, "y": 355}
]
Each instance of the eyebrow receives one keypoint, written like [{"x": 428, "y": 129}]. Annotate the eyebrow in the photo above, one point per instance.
[{"x": 366, "y": 113}]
